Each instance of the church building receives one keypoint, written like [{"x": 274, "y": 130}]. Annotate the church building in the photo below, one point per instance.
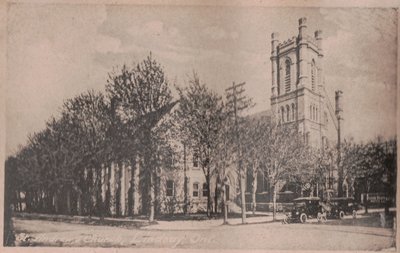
[
  {"x": 298, "y": 94},
  {"x": 298, "y": 97}
]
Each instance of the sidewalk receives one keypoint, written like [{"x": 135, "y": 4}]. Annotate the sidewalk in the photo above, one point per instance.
[
  {"x": 109, "y": 221},
  {"x": 261, "y": 217},
  {"x": 208, "y": 224},
  {"x": 186, "y": 224}
]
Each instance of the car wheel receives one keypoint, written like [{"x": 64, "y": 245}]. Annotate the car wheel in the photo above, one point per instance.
[
  {"x": 341, "y": 215},
  {"x": 354, "y": 214},
  {"x": 303, "y": 218}
]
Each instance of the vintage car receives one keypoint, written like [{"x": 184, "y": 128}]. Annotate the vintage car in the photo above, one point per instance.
[
  {"x": 342, "y": 206},
  {"x": 304, "y": 208}
]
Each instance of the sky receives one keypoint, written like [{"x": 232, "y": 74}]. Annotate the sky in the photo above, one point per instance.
[{"x": 56, "y": 52}]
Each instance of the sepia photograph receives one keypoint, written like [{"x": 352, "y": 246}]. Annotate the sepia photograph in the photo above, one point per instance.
[{"x": 212, "y": 127}]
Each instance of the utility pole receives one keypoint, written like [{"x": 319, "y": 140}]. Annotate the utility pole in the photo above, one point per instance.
[
  {"x": 237, "y": 102},
  {"x": 339, "y": 117}
]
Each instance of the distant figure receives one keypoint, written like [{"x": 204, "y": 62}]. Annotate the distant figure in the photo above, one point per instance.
[{"x": 321, "y": 217}]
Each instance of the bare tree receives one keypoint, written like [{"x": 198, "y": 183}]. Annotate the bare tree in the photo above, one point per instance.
[
  {"x": 322, "y": 166},
  {"x": 88, "y": 113},
  {"x": 366, "y": 163},
  {"x": 253, "y": 132},
  {"x": 237, "y": 102},
  {"x": 141, "y": 95},
  {"x": 222, "y": 162},
  {"x": 201, "y": 114},
  {"x": 283, "y": 147}
]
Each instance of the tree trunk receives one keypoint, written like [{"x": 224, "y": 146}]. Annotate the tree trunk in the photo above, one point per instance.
[
  {"x": 56, "y": 202},
  {"x": 68, "y": 200},
  {"x": 352, "y": 190},
  {"x": 366, "y": 203},
  {"x": 131, "y": 191},
  {"x": 274, "y": 202},
  {"x": 118, "y": 192},
  {"x": 225, "y": 207},
  {"x": 81, "y": 191},
  {"x": 80, "y": 204},
  {"x": 243, "y": 197},
  {"x": 19, "y": 202},
  {"x": 27, "y": 201},
  {"x": 157, "y": 189},
  {"x": 366, "y": 196},
  {"x": 50, "y": 208},
  {"x": 208, "y": 192},
  {"x": 152, "y": 197},
  {"x": 253, "y": 192},
  {"x": 123, "y": 189},
  {"x": 99, "y": 193},
  {"x": 216, "y": 197},
  {"x": 107, "y": 202},
  {"x": 185, "y": 183},
  {"x": 89, "y": 181}
]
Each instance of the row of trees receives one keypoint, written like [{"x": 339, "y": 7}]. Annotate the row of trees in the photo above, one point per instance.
[{"x": 63, "y": 168}]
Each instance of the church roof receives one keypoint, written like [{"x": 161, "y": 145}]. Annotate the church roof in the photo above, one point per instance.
[{"x": 263, "y": 115}]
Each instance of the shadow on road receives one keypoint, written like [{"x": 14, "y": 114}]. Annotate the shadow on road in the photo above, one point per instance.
[{"x": 366, "y": 220}]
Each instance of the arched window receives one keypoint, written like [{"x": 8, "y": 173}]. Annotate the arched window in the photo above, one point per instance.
[
  {"x": 287, "y": 75},
  {"x": 293, "y": 112},
  {"x": 287, "y": 113},
  {"x": 316, "y": 114},
  {"x": 283, "y": 114},
  {"x": 313, "y": 75},
  {"x": 311, "y": 112}
]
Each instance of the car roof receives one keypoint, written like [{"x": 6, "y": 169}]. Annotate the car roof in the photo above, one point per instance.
[
  {"x": 306, "y": 198},
  {"x": 343, "y": 198}
]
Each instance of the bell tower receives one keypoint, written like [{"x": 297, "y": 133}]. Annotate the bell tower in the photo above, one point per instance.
[{"x": 297, "y": 89}]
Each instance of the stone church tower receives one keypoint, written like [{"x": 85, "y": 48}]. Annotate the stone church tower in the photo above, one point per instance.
[{"x": 298, "y": 92}]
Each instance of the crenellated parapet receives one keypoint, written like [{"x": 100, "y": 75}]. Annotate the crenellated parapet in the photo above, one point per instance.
[{"x": 287, "y": 42}]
